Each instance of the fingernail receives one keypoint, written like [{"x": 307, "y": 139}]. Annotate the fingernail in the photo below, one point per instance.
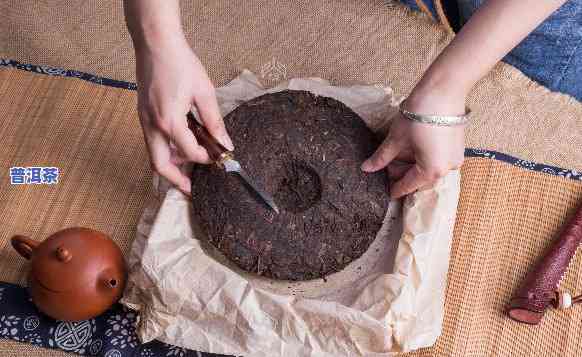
[
  {"x": 392, "y": 192},
  {"x": 186, "y": 186},
  {"x": 227, "y": 142},
  {"x": 185, "y": 190},
  {"x": 367, "y": 166}
]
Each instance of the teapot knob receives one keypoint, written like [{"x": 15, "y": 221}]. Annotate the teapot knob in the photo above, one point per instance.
[{"x": 63, "y": 254}]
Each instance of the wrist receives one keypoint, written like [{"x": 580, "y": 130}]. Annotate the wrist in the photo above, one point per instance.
[
  {"x": 153, "y": 24},
  {"x": 437, "y": 96},
  {"x": 152, "y": 39}
]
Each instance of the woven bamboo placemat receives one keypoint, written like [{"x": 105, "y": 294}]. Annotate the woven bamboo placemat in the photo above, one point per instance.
[
  {"x": 87, "y": 131},
  {"x": 507, "y": 214},
  {"x": 90, "y": 133},
  {"x": 507, "y": 218}
]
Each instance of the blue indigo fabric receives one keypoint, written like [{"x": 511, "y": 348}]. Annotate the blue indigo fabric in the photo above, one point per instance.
[
  {"x": 110, "y": 335},
  {"x": 551, "y": 55}
]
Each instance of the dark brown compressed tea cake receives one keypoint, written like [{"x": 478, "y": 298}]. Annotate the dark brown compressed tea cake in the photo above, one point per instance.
[{"x": 306, "y": 151}]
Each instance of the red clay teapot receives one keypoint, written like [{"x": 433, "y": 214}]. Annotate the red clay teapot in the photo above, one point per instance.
[{"x": 76, "y": 273}]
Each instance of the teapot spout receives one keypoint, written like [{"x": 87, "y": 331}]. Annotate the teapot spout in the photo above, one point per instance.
[{"x": 111, "y": 281}]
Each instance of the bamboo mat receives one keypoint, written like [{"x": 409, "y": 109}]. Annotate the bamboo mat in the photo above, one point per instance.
[
  {"x": 507, "y": 217},
  {"x": 91, "y": 134},
  {"x": 507, "y": 214}
]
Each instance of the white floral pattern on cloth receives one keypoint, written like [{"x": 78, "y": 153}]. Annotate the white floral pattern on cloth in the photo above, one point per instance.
[
  {"x": 33, "y": 338},
  {"x": 571, "y": 174},
  {"x": 146, "y": 352},
  {"x": 9, "y": 327},
  {"x": 524, "y": 164},
  {"x": 54, "y": 71},
  {"x": 121, "y": 330},
  {"x": 175, "y": 351},
  {"x": 95, "y": 347},
  {"x": 111, "y": 334},
  {"x": 73, "y": 336},
  {"x": 113, "y": 353},
  {"x": 51, "y": 71},
  {"x": 31, "y": 323}
]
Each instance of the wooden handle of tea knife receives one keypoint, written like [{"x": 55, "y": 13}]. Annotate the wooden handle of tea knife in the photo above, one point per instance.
[{"x": 216, "y": 151}]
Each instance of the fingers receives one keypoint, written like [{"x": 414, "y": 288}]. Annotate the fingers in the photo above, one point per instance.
[
  {"x": 210, "y": 115},
  {"x": 397, "y": 169},
  {"x": 415, "y": 179},
  {"x": 160, "y": 156},
  {"x": 176, "y": 157},
  {"x": 173, "y": 174},
  {"x": 382, "y": 157},
  {"x": 411, "y": 181},
  {"x": 186, "y": 142},
  {"x": 174, "y": 127}
]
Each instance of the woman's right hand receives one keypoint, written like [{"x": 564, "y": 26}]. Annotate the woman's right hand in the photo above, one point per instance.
[
  {"x": 171, "y": 80},
  {"x": 417, "y": 155}
]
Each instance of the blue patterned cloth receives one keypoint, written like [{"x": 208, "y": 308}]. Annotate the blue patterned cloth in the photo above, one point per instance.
[
  {"x": 110, "y": 335},
  {"x": 551, "y": 55}
]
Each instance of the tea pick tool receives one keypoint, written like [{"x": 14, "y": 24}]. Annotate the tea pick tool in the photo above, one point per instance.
[{"x": 225, "y": 159}]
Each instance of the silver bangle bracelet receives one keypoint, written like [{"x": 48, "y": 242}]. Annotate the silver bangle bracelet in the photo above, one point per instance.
[{"x": 440, "y": 120}]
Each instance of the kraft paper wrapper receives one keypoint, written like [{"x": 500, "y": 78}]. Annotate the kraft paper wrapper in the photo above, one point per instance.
[{"x": 389, "y": 300}]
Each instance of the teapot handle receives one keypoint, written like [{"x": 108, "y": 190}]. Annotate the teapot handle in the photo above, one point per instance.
[{"x": 24, "y": 245}]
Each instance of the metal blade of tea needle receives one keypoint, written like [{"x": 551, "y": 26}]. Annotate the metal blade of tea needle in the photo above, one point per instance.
[{"x": 233, "y": 166}]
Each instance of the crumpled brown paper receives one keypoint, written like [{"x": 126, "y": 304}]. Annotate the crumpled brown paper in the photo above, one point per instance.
[{"x": 389, "y": 300}]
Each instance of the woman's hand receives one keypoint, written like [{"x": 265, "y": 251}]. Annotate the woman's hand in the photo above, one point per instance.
[
  {"x": 429, "y": 151},
  {"x": 171, "y": 80},
  {"x": 417, "y": 155}
]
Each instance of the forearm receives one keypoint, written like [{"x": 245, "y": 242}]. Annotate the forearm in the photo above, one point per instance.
[
  {"x": 495, "y": 28},
  {"x": 153, "y": 23}
]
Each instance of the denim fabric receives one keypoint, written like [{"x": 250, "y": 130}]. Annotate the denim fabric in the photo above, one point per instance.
[
  {"x": 414, "y": 6},
  {"x": 430, "y": 6},
  {"x": 552, "y": 54}
]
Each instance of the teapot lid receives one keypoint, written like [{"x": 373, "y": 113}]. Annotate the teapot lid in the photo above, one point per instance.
[{"x": 73, "y": 258}]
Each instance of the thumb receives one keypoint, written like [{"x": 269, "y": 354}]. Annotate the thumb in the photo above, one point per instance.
[
  {"x": 382, "y": 157},
  {"x": 212, "y": 120}
]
